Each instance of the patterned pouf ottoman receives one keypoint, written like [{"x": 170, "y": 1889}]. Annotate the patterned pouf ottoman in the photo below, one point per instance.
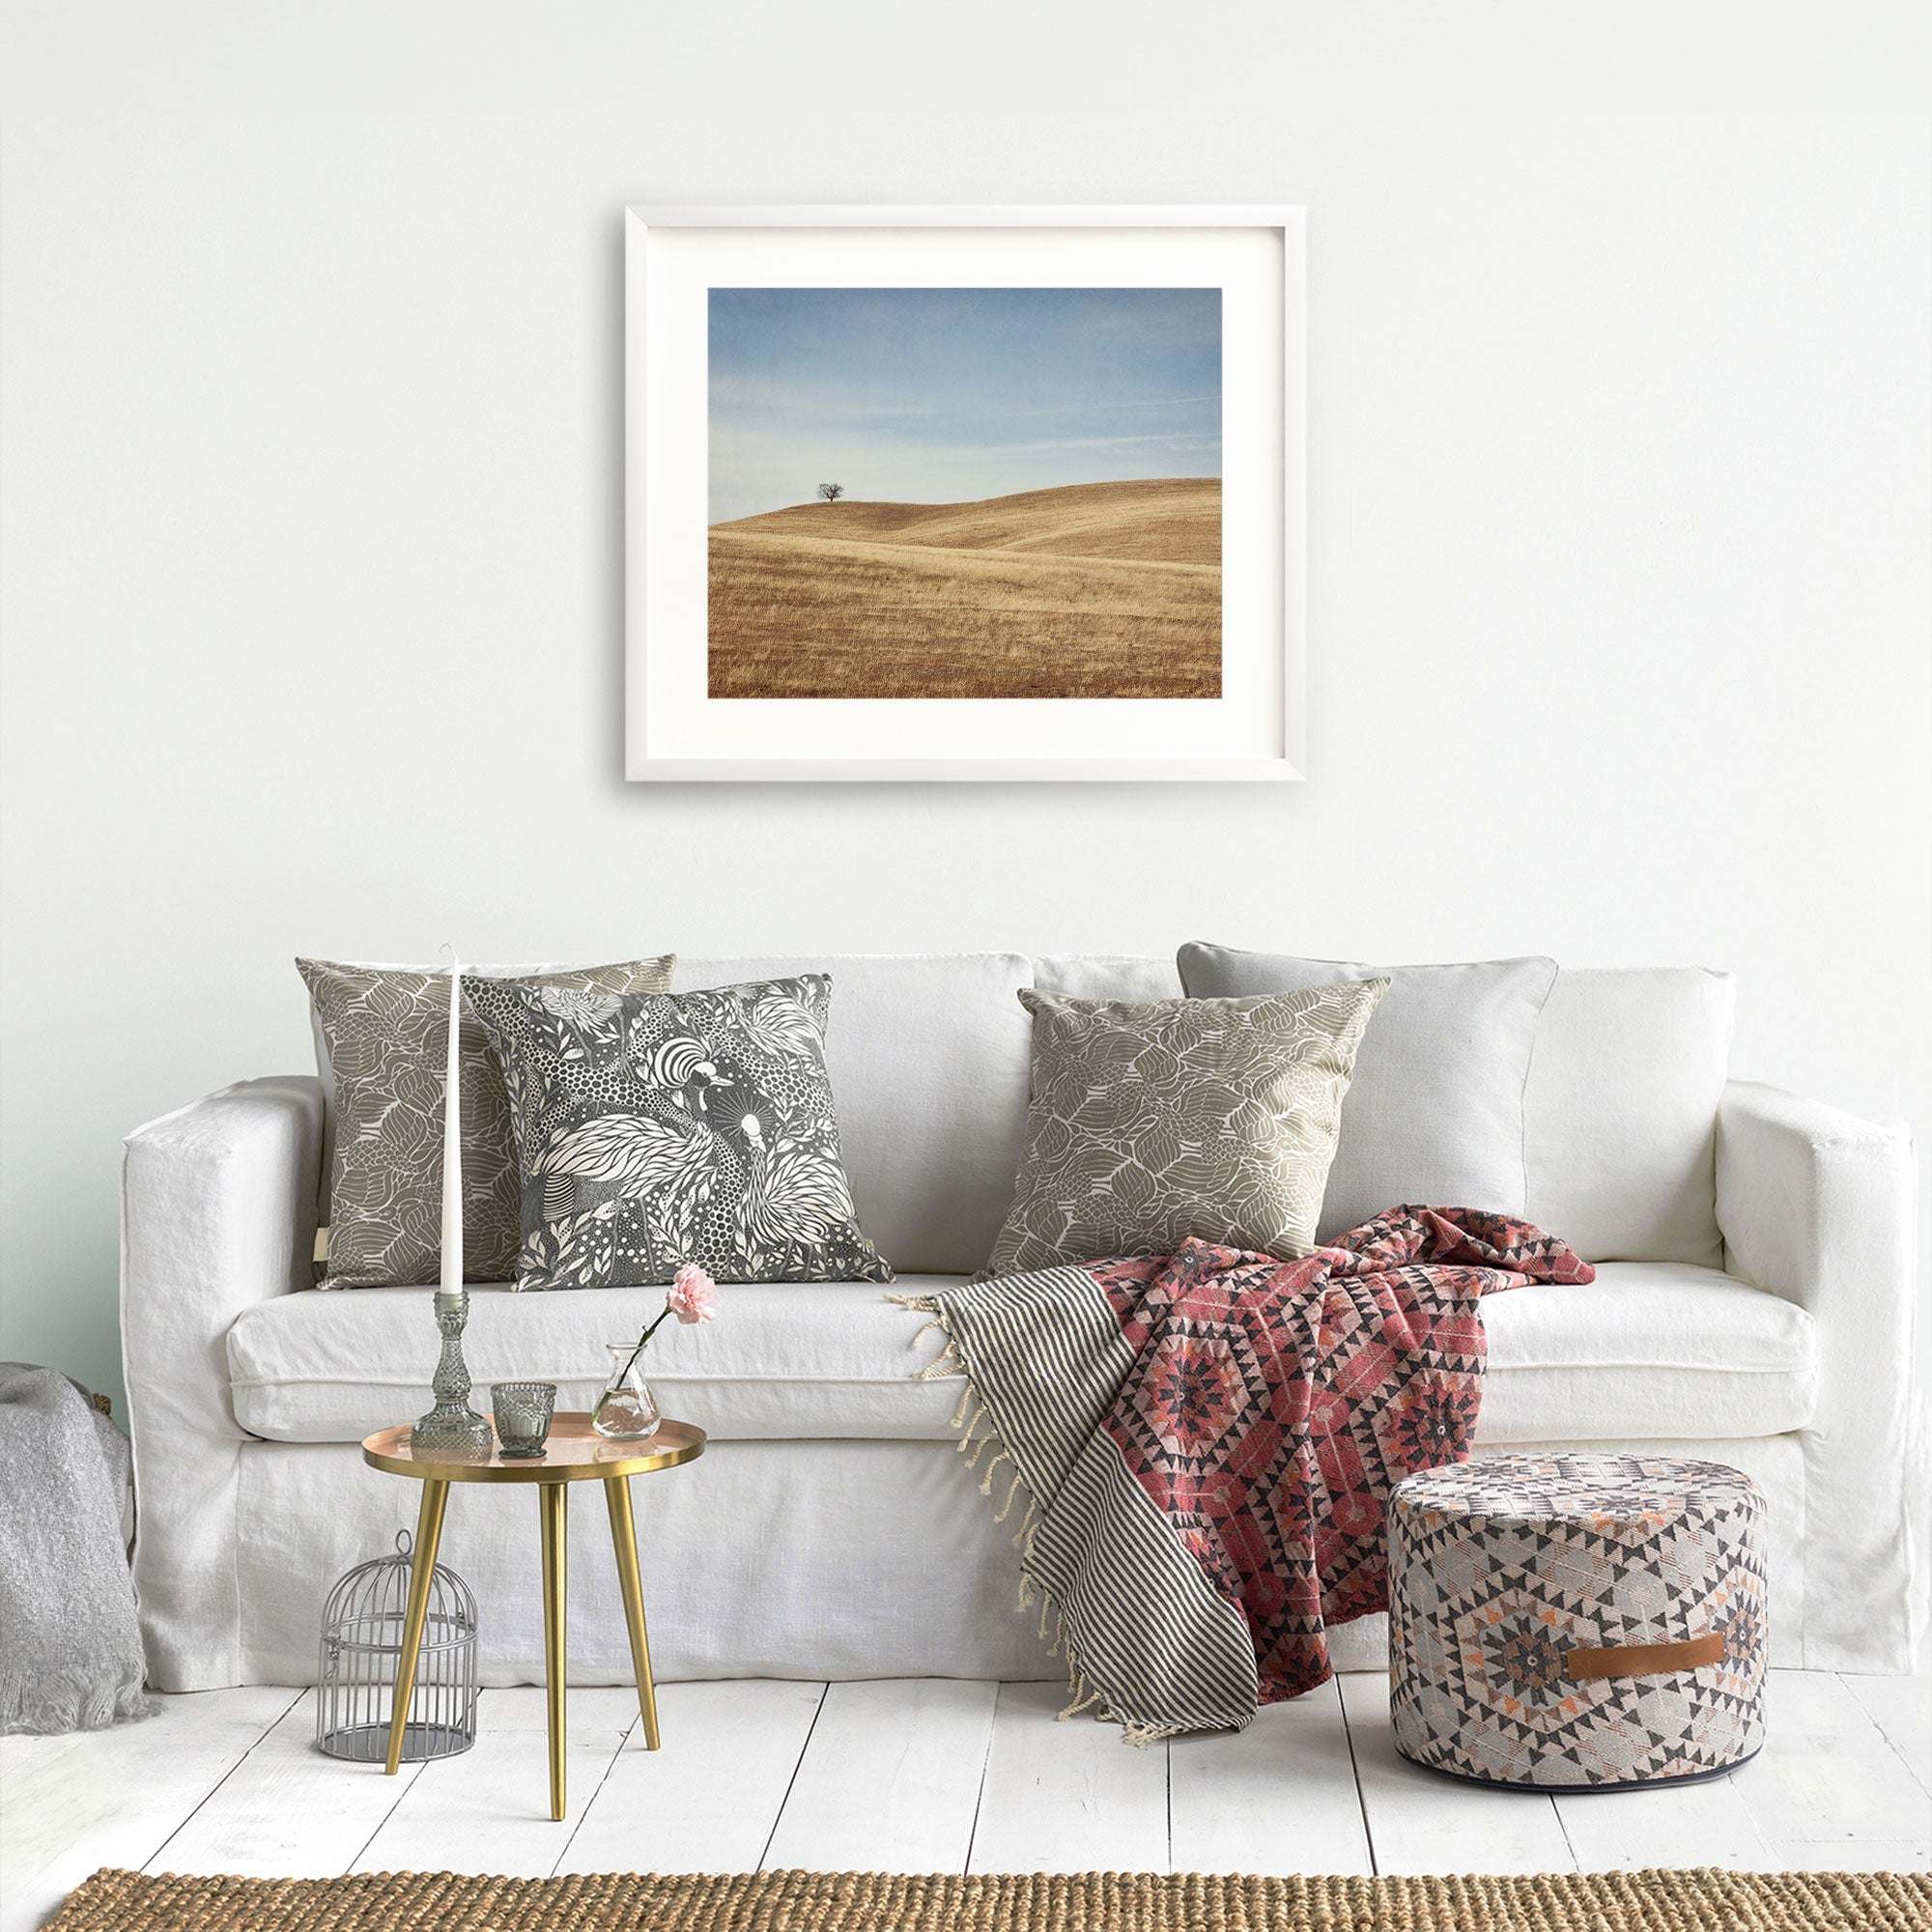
[{"x": 1586, "y": 1621}]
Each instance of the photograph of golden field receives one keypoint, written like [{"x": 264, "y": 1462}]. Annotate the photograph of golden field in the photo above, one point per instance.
[
  {"x": 1091, "y": 591},
  {"x": 964, "y": 492}
]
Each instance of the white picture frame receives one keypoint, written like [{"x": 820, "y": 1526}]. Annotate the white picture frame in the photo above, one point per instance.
[{"x": 1254, "y": 730}]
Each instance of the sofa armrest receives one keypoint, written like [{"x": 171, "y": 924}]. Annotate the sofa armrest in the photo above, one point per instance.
[
  {"x": 1818, "y": 1206},
  {"x": 218, "y": 1211}
]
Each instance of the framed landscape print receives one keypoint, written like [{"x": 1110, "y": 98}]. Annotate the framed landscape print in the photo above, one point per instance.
[{"x": 1009, "y": 493}]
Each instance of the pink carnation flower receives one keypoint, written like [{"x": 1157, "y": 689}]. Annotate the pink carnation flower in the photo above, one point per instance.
[{"x": 693, "y": 1295}]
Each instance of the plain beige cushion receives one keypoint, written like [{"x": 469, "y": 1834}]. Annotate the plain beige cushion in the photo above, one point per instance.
[{"x": 1621, "y": 1112}]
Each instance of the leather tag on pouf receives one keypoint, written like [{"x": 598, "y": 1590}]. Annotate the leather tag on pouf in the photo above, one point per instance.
[{"x": 1644, "y": 1660}]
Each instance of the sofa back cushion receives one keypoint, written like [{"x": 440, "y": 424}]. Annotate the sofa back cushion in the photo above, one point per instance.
[
  {"x": 928, "y": 1056},
  {"x": 1621, "y": 1110}
]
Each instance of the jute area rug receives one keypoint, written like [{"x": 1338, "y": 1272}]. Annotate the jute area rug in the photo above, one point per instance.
[{"x": 788, "y": 1901}]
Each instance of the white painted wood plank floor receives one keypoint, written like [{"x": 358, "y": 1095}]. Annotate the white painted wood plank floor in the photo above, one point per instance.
[{"x": 927, "y": 1775}]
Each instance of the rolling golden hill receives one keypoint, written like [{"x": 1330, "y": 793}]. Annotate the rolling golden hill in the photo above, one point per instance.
[{"x": 1093, "y": 591}]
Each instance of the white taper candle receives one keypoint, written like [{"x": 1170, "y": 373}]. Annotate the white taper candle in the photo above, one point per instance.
[{"x": 452, "y": 1142}]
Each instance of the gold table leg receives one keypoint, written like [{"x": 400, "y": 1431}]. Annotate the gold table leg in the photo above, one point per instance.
[
  {"x": 422, "y": 1571},
  {"x": 624, "y": 1537},
  {"x": 554, "y": 1504}
]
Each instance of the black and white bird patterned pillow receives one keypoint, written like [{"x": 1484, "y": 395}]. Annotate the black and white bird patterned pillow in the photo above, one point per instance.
[{"x": 653, "y": 1129}]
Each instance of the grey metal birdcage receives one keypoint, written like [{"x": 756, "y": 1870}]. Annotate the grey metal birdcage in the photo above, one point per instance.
[{"x": 361, "y": 1644}]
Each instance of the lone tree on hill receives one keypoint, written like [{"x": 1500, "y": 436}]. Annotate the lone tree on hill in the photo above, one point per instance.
[{"x": 830, "y": 493}]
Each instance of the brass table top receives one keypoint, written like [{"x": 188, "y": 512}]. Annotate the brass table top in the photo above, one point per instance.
[{"x": 575, "y": 1452}]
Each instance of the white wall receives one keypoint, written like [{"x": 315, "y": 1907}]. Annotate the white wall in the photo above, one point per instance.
[{"x": 1619, "y": 481}]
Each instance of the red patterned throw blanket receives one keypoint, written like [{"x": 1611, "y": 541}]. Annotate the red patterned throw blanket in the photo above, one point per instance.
[{"x": 1205, "y": 1443}]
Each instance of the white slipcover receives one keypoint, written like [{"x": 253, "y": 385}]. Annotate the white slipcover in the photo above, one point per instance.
[
  {"x": 1620, "y": 1112},
  {"x": 865, "y": 1551},
  {"x": 1817, "y": 1207},
  {"x": 761, "y": 1559},
  {"x": 217, "y": 1214}
]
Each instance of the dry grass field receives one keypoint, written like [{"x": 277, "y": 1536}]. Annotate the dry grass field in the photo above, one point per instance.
[{"x": 1096, "y": 590}]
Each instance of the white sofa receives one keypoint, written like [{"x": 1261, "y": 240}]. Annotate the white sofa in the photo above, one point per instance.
[{"x": 1753, "y": 1305}]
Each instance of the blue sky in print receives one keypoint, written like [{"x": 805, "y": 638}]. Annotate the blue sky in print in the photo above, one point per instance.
[{"x": 945, "y": 395}]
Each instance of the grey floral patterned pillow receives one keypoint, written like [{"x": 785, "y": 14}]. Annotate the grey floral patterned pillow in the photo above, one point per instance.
[
  {"x": 656, "y": 1130},
  {"x": 385, "y": 1031},
  {"x": 1149, "y": 1123}
]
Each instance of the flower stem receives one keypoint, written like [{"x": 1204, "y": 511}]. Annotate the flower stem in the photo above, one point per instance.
[{"x": 650, "y": 1330}]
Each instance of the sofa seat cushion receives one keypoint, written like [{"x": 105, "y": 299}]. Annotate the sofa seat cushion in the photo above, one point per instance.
[
  {"x": 1650, "y": 1351},
  {"x": 782, "y": 1359}
]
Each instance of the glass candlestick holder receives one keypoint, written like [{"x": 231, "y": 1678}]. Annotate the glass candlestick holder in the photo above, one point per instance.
[{"x": 453, "y": 1431}]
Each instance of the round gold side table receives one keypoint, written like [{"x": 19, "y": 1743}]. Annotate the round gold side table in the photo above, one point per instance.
[{"x": 575, "y": 1452}]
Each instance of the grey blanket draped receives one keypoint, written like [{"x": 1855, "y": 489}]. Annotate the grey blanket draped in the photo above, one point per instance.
[{"x": 71, "y": 1656}]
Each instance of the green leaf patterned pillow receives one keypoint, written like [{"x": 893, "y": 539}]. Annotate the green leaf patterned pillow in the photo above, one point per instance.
[
  {"x": 691, "y": 1127},
  {"x": 385, "y": 1032},
  {"x": 1149, "y": 1123}
]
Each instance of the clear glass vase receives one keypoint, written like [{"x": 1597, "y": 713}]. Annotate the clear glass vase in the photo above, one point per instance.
[{"x": 627, "y": 1409}]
